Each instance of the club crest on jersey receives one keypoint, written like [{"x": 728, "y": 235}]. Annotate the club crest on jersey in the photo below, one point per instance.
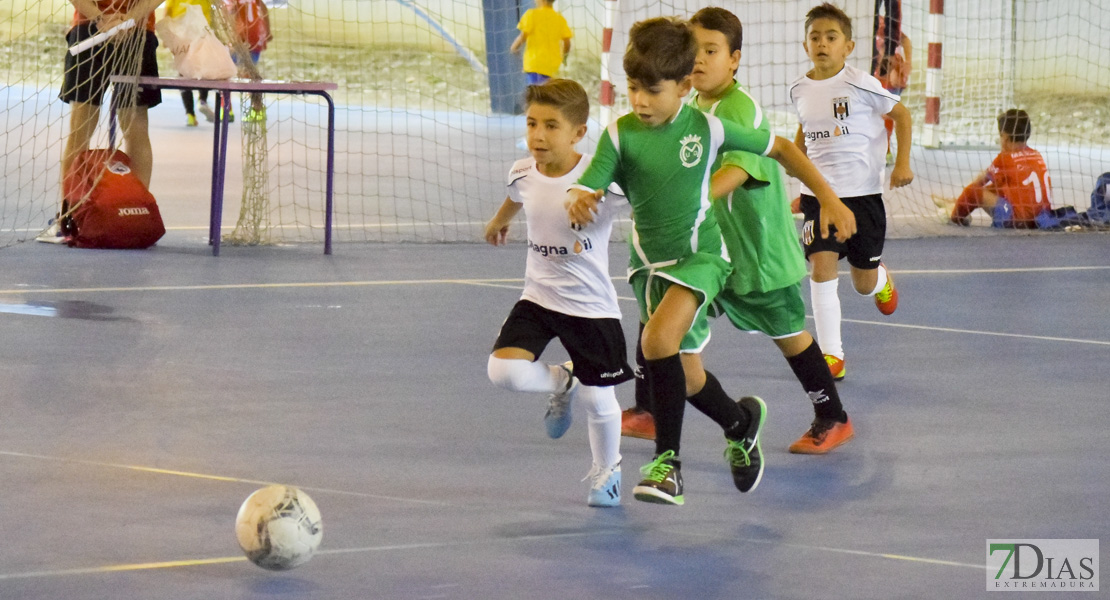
[
  {"x": 807, "y": 233},
  {"x": 691, "y": 150},
  {"x": 840, "y": 108}
]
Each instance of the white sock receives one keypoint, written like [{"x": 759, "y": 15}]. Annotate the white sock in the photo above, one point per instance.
[
  {"x": 521, "y": 375},
  {"x": 604, "y": 417},
  {"x": 826, "y": 316},
  {"x": 880, "y": 281}
]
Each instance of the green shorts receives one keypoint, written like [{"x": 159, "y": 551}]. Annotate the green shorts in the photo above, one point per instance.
[
  {"x": 704, "y": 274},
  {"x": 778, "y": 313}
]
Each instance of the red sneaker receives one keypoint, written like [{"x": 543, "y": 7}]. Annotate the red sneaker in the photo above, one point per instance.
[
  {"x": 637, "y": 423},
  {"x": 823, "y": 436},
  {"x": 886, "y": 299},
  {"x": 836, "y": 366}
]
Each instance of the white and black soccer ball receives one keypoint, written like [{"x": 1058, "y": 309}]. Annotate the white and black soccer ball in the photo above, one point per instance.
[{"x": 279, "y": 527}]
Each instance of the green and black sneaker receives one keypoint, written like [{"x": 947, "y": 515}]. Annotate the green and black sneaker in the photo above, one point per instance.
[
  {"x": 743, "y": 456},
  {"x": 662, "y": 482}
]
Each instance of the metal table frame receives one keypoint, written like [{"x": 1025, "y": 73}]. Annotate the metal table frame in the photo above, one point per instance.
[{"x": 223, "y": 90}]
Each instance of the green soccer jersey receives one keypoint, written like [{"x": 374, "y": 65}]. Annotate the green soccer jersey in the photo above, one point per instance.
[
  {"x": 755, "y": 219},
  {"x": 664, "y": 172}
]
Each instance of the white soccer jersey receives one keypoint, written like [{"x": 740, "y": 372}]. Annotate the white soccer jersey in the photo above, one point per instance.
[
  {"x": 567, "y": 270},
  {"x": 842, "y": 120}
]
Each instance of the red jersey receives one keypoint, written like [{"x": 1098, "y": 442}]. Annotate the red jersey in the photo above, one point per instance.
[
  {"x": 1022, "y": 178},
  {"x": 113, "y": 6},
  {"x": 252, "y": 23},
  {"x": 891, "y": 70}
]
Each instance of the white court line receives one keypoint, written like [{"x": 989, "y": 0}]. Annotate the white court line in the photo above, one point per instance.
[
  {"x": 999, "y": 270},
  {"x": 156, "y": 470},
  {"x": 172, "y": 564},
  {"x": 1043, "y": 338},
  {"x": 396, "y": 547},
  {"x": 439, "y": 545},
  {"x": 472, "y": 542},
  {"x": 931, "y": 561},
  {"x": 477, "y": 282},
  {"x": 503, "y": 283},
  {"x": 246, "y": 286},
  {"x": 336, "y": 227}
]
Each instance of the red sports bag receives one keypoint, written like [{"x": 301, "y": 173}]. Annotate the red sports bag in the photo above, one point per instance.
[{"x": 118, "y": 212}]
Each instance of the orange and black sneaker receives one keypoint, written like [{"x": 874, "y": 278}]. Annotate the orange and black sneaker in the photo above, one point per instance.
[
  {"x": 836, "y": 366},
  {"x": 638, "y": 423},
  {"x": 823, "y": 436},
  {"x": 886, "y": 299}
]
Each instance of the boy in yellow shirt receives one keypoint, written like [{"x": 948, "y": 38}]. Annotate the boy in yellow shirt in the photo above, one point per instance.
[
  {"x": 545, "y": 35},
  {"x": 174, "y": 9}
]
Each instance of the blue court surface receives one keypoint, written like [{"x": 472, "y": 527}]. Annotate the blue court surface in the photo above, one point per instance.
[{"x": 145, "y": 394}]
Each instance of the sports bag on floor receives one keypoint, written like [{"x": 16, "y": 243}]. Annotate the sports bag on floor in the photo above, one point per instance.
[{"x": 117, "y": 210}]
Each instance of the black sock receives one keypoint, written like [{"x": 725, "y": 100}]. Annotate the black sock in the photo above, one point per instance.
[
  {"x": 715, "y": 404},
  {"x": 668, "y": 400},
  {"x": 813, "y": 372},
  {"x": 643, "y": 391}
]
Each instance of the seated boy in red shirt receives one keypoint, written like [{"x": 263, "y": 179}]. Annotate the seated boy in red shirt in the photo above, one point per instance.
[{"x": 1016, "y": 187}]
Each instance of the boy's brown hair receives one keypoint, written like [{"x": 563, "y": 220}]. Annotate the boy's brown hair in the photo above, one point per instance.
[
  {"x": 1015, "y": 124},
  {"x": 566, "y": 95},
  {"x": 715, "y": 18},
  {"x": 660, "y": 49},
  {"x": 829, "y": 10}
]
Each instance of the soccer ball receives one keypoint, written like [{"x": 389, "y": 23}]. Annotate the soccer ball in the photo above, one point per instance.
[{"x": 279, "y": 527}]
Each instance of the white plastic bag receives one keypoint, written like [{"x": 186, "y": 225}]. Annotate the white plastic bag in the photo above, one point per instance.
[
  {"x": 177, "y": 33},
  {"x": 197, "y": 52},
  {"x": 206, "y": 58}
]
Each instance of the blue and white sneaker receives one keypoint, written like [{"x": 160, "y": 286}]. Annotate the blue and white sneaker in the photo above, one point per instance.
[
  {"x": 605, "y": 486},
  {"x": 557, "y": 419},
  {"x": 52, "y": 234}
]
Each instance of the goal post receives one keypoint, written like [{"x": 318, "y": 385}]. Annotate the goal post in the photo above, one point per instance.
[
  {"x": 971, "y": 61},
  {"x": 422, "y": 152}
]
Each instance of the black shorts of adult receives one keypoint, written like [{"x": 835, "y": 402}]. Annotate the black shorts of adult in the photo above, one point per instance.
[
  {"x": 87, "y": 73},
  {"x": 596, "y": 346},
  {"x": 864, "y": 249}
]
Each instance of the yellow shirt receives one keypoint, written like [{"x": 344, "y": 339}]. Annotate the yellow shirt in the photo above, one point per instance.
[
  {"x": 545, "y": 29},
  {"x": 176, "y": 8}
]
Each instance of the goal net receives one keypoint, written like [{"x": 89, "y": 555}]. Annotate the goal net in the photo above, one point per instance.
[{"x": 428, "y": 95}]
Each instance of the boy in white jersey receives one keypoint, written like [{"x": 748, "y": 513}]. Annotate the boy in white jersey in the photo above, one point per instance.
[
  {"x": 568, "y": 293},
  {"x": 840, "y": 112},
  {"x": 661, "y": 155}
]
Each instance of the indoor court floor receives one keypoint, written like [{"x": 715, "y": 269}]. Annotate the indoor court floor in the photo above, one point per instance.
[{"x": 145, "y": 394}]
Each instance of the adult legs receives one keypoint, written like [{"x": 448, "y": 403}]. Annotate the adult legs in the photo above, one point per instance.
[
  {"x": 136, "y": 141},
  {"x": 83, "y": 118}
]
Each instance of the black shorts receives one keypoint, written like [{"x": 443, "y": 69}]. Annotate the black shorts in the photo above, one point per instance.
[
  {"x": 596, "y": 346},
  {"x": 865, "y": 248},
  {"x": 86, "y": 75}
]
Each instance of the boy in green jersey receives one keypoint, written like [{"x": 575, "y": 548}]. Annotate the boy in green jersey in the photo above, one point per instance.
[
  {"x": 763, "y": 292},
  {"x": 661, "y": 155}
]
